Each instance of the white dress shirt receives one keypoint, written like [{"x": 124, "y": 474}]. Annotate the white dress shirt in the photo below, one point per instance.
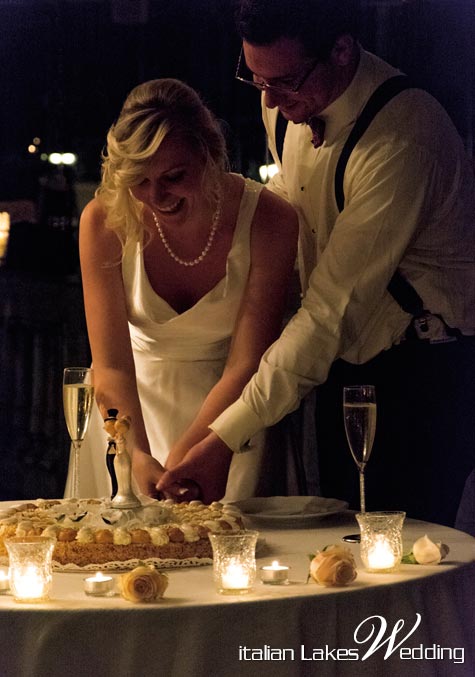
[{"x": 409, "y": 204}]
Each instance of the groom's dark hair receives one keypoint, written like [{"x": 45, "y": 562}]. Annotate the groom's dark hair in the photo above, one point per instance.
[{"x": 316, "y": 23}]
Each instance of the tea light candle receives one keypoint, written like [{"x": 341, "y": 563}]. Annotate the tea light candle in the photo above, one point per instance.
[
  {"x": 235, "y": 577},
  {"x": 4, "y": 582},
  {"x": 275, "y": 574},
  {"x": 99, "y": 585},
  {"x": 380, "y": 554}
]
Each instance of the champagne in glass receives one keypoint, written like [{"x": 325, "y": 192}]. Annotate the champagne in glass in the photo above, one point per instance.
[
  {"x": 78, "y": 398},
  {"x": 359, "y": 411}
]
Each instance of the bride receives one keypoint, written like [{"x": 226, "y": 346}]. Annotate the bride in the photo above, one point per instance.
[{"x": 185, "y": 268}]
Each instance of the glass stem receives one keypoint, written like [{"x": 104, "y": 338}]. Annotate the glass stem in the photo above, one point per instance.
[
  {"x": 75, "y": 473},
  {"x": 362, "y": 492}
]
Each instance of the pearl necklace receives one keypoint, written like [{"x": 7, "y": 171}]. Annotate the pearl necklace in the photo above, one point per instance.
[{"x": 209, "y": 242}]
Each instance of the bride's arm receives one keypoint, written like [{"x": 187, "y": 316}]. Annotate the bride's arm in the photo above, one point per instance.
[
  {"x": 106, "y": 315},
  {"x": 273, "y": 251}
]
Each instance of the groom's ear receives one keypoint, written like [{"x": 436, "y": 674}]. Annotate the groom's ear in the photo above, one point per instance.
[{"x": 343, "y": 50}]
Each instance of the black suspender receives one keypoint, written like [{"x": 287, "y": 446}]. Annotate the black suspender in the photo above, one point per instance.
[
  {"x": 399, "y": 288},
  {"x": 385, "y": 92},
  {"x": 280, "y": 129}
]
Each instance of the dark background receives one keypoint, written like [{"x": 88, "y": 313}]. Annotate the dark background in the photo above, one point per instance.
[
  {"x": 65, "y": 69},
  {"x": 67, "y": 65}
]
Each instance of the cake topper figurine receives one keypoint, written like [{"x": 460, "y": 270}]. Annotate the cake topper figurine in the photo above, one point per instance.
[
  {"x": 109, "y": 427},
  {"x": 117, "y": 428}
]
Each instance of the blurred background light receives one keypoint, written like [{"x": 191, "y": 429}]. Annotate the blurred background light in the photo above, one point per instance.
[
  {"x": 62, "y": 158},
  {"x": 266, "y": 172}
]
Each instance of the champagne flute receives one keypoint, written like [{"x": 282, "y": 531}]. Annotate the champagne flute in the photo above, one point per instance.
[
  {"x": 359, "y": 412},
  {"x": 78, "y": 398}
]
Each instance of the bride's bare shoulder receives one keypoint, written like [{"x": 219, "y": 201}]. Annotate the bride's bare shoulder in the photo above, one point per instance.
[
  {"x": 276, "y": 215},
  {"x": 94, "y": 212}
]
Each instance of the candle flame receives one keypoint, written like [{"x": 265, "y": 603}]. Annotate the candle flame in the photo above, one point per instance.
[
  {"x": 235, "y": 576},
  {"x": 29, "y": 584},
  {"x": 380, "y": 554},
  {"x": 99, "y": 576}
]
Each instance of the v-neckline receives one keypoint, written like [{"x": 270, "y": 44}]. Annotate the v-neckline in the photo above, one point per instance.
[{"x": 219, "y": 283}]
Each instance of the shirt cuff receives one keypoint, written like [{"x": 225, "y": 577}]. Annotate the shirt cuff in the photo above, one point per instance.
[{"x": 236, "y": 425}]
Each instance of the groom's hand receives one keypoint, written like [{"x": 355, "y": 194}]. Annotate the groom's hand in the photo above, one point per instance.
[{"x": 207, "y": 464}]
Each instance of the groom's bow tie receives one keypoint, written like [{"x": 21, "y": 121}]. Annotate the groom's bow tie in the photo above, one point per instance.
[{"x": 318, "y": 130}]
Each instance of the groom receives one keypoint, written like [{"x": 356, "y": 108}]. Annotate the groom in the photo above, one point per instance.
[{"x": 387, "y": 263}]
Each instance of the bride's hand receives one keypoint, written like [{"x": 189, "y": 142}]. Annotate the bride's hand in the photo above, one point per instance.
[{"x": 147, "y": 471}]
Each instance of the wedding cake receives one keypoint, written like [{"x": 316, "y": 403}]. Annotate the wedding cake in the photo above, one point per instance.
[{"x": 92, "y": 533}]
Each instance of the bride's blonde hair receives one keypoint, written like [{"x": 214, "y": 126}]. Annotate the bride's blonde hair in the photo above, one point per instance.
[{"x": 151, "y": 111}]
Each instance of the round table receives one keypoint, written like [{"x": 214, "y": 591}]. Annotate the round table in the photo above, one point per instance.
[{"x": 294, "y": 630}]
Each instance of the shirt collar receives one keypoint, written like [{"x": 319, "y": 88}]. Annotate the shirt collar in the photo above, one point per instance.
[{"x": 343, "y": 112}]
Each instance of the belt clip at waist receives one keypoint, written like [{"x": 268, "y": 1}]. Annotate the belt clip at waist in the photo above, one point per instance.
[{"x": 432, "y": 328}]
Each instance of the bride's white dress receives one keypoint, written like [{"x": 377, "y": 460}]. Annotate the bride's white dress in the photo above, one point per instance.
[{"x": 179, "y": 357}]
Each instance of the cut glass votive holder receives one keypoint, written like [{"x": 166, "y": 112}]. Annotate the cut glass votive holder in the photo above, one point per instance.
[
  {"x": 4, "y": 582},
  {"x": 30, "y": 561},
  {"x": 381, "y": 540},
  {"x": 234, "y": 562}
]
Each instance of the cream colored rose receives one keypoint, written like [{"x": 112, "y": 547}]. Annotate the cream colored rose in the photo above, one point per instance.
[
  {"x": 143, "y": 584},
  {"x": 426, "y": 551},
  {"x": 333, "y": 566}
]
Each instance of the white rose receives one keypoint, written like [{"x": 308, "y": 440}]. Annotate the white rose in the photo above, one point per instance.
[
  {"x": 333, "y": 566},
  {"x": 426, "y": 551},
  {"x": 143, "y": 584}
]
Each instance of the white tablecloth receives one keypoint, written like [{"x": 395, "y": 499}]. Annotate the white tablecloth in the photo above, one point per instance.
[{"x": 295, "y": 630}]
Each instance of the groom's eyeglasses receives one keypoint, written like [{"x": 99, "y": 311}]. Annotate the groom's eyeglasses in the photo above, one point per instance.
[{"x": 285, "y": 85}]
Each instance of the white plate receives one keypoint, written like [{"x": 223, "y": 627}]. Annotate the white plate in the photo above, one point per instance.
[{"x": 292, "y": 509}]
